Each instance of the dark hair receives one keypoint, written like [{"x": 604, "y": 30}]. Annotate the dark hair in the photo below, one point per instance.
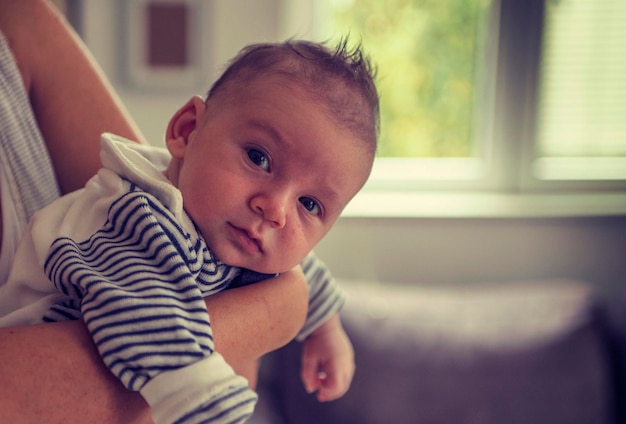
[{"x": 342, "y": 77}]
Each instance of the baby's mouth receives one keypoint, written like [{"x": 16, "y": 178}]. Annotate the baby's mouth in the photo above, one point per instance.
[{"x": 246, "y": 240}]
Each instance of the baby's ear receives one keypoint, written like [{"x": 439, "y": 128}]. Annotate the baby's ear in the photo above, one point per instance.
[{"x": 183, "y": 124}]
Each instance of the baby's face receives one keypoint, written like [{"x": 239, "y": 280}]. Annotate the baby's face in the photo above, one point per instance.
[{"x": 266, "y": 174}]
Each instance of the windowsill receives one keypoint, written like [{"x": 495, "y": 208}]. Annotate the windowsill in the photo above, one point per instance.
[{"x": 399, "y": 204}]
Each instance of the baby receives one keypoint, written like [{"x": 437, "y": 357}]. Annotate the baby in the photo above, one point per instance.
[{"x": 252, "y": 178}]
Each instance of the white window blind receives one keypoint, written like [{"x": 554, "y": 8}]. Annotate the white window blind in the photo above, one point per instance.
[{"x": 581, "y": 127}]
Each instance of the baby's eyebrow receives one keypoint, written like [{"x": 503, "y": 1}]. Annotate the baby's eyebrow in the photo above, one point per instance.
[
  {"x": 328, "y": 195},
  {"x": 269, "y": 129}
]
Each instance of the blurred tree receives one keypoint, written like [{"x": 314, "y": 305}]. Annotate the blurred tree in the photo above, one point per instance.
[{"x": 427, "y": 54}]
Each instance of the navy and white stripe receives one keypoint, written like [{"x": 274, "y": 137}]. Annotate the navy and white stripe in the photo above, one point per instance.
[
  {"x": 226, "y": 409},
  {"x": 139, "y": 278},
  {"x": 142, "y": 280},
  {"x": 325, "y": 296}
]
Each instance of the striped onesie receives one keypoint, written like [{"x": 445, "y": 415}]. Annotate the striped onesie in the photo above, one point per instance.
[{"x": 123, "y": 255}]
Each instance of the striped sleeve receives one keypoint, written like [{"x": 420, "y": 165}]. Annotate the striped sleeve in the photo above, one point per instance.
[
  {"x": 142, "y": 303},
  {"x": 326, "y": 298}
]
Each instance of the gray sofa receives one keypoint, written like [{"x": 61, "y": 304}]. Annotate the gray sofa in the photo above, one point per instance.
[{"x": 523, "y": 353}]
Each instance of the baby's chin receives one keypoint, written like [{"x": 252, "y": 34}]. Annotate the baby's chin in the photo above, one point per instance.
[
  {"x": 269, "y": 268},
  {"x": 261, "y": 266}
]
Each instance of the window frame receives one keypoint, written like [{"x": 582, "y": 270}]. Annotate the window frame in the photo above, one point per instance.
[
  {"x": 479, "y": 173},
  {"x": 506, "y": 162}
]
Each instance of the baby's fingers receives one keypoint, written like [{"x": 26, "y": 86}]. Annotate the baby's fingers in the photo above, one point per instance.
[
  {"x": 332, "y": 386},
  {"x": 309, "y": 374}
]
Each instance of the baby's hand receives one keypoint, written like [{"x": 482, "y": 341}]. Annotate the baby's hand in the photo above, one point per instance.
[{"x": 328, "y": 361}]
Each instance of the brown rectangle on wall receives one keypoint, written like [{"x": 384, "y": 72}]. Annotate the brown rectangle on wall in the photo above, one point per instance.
[{"x": 167, "y": 27}]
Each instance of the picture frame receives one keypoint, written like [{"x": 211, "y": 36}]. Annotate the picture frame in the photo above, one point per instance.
[{"x": 163, "y": 43}]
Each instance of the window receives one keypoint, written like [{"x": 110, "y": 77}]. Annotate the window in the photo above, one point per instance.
[
  {"x": 429, "y": 58},
  {"x": 426, "y": 53},
  {"x": 581, "y": 125},
  {"x": 499, "y": 96}
]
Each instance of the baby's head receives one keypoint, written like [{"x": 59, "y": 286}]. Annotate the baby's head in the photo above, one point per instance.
[
  {"x": 284, "y": 140},
  {"x": 342, "y": 79}
]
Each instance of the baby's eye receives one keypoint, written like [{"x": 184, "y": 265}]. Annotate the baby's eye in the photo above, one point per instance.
[
  {"x": 259, "y": 158},
  {"x": 311, "y": 205}
]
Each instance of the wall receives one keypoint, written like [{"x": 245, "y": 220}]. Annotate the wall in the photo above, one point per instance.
[{"x": 501, "y": 250}]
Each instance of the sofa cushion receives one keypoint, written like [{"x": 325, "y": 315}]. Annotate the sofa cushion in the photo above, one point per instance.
[{"x": 490, "y": 353}]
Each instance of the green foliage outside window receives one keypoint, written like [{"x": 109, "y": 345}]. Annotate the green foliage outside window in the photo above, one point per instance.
[{"x": 426, "y": 54}]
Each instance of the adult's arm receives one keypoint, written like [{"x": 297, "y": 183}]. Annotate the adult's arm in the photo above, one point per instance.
[{"x": 52, "y": 370}]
